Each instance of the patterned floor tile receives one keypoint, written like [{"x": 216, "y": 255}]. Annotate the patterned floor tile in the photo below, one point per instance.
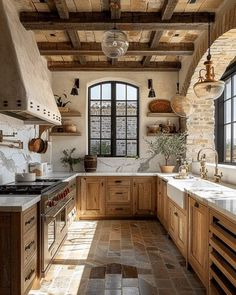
[{"x": 119, "y": 257}]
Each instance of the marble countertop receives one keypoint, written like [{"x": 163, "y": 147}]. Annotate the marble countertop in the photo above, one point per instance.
[
  {"x": 17, "y": 203},
  {"x": 219, "y": 197}
]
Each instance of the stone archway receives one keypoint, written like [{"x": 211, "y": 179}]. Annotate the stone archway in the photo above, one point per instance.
[{"x": 201, "y": 124}]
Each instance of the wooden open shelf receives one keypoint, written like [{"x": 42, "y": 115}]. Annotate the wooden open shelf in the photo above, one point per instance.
[
  {"x": 70, "y": 114},
  {"x": 150, "y": 114},
  {"x": 65, "y": 133},
  {"x": 159, "y": 133}
]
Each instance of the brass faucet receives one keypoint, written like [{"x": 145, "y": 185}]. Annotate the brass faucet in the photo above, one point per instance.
[{"x": 217, "y": 175}]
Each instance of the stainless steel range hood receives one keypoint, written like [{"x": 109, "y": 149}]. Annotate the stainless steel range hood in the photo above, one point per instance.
[{"x": 25, "y": 89}]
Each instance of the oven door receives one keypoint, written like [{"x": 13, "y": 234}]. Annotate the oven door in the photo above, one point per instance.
[
  {"x": 62, "y": 225},
  {"x": 49, "y": 240}
]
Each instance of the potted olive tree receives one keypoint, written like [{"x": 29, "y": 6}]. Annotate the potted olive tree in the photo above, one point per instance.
[{"x": 173, "y": 145}]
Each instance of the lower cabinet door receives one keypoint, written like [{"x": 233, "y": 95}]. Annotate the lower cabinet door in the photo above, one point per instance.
[
  {"x": 93, "y": 196},
  {"x": 181, "y": 233},
  {"x": 172, "y": 221},
  {"x": 198, "y": 239},
  {"x": 144, "y": 196}
]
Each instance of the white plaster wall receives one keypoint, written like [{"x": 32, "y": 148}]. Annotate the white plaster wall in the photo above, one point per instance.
[{"x": 165, "y": 87}]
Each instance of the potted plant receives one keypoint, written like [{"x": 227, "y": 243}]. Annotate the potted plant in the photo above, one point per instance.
[
  {"x": 62, "y": 105},
  {"x": 68, "y": 160},
  {"x": 168, "y": 145}
]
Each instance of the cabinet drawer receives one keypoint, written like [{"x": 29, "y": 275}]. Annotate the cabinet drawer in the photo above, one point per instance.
[
  {"x": 29, "y": 245},
  {"x": 119, "y": 181},
  {"x": 118, "y": 210},
  {"x": 29, "y": 219},
  {"x": 118, "y": 195},
  {"x": 30, "y": 273}
]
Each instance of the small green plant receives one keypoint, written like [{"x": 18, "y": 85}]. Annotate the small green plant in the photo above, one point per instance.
[
  {"x": 168, "y": 145},
  {"x": 59, "y": 100},
  {"x": 68, "y": 160}
]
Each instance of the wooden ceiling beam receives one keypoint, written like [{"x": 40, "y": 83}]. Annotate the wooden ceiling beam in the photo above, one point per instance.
[
  {"x": 115, "y": 9},
  {"x": 52, "y": 6},
  {"x": 167, "y": 12},
  {"x": 119, "y": 66},
  {"x": 155, "y": 38},
  {"x": 168, "y": 9},
  {"x": 75, "y": 40},
  {"x": 130, "y": 21},
  {"x": 62, "y": 9},
  {"x": 93, "y": 48}
]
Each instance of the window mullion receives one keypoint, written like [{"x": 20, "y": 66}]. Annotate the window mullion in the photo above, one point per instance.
[{"x": 113, "y": 119}]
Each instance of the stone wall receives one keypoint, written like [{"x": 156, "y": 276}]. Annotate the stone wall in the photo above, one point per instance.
[{"x": 201, "y": 124}]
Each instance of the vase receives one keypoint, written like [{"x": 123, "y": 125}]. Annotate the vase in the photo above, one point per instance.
[{"x": 167, "y": 169}]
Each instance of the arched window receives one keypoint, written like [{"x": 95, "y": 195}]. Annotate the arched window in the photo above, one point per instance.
[
  {"x": 113, "y": 119},
  {"x": 226, "y": 118}
]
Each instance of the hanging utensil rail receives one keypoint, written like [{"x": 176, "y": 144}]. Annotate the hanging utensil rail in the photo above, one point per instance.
[{"x": 11, "y": 143}]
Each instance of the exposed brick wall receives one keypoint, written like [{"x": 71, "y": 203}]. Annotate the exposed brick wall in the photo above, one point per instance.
[{"x": 200, "y": 125}]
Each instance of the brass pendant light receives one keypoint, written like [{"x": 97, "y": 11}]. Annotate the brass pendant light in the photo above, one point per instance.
[
  {"x": 208, "y": 87},
  {"x": 180, "y": 104}
]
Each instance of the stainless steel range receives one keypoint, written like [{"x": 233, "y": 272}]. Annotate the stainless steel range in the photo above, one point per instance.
[
  {"x": 57, "y": 202},
  {"x": 56, "y": 206}
]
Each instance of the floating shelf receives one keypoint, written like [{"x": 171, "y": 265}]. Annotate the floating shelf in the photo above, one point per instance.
[
  {"x": 70, "y": 114},
  {"x": 149, "y": 114},
  {"x": 155, "y": 134},
  {"x": 65, "y": 133}
]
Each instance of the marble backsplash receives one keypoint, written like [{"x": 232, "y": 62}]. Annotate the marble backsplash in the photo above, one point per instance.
[{"x": 11, "y": 159}]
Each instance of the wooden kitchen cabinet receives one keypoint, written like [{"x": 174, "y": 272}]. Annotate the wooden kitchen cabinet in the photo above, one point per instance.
[
  {"x": 177, "y": 227},
  {"x": 119, "y": 196},
  {"x": 144, "y": 196},
  {"x": 198, "y": 239},
  {"x": 159, "y": 199},
  {"x": 93, "y": 190},
  {"x": 222, "y": 254},
  {"x": 162, "y": 202},
  {"x": 19, "y": 251}
]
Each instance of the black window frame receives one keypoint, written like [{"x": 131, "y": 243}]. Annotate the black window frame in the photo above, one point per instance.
[
  {"x": 220, "y": 116},
  {"x": 113, "y": 118}
]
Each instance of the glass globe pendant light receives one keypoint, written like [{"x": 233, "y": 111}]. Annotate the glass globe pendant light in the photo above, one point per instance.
[
  {"x": 180, "y": 104},
  {"x": 208, "y": 87},
  {"x": 114, "y": 43}
]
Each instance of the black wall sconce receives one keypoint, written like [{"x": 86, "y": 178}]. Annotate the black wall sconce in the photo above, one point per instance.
[
  {"x": 75, "y": 88},
  {"x": 151, "y": 90}
]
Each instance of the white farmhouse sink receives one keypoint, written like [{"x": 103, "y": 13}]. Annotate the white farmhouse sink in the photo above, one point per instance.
[{"x": 176, "y": 189}]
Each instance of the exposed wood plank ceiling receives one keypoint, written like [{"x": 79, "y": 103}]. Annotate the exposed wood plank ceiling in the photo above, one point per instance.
[{"x": 69, "y": 32}]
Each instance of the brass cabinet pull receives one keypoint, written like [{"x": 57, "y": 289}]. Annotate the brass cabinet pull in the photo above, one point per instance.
[
  {"x": 30, "y": 220},
  {"x": 119, "y": 193},
  {"x": 29, "y": 275},
  {"x": 118, "y": 181},
  {"x": 196, "y": 205},
  {"x": 29, "y": 245}
]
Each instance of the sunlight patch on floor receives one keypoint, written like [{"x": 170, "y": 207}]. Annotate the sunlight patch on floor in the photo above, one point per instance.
[{"x": 64, "y": 276}]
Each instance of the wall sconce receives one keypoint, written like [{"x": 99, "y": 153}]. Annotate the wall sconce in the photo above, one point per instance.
[
  {"x": 75, "y": 88},
  {"x": 151, "y": 91}
]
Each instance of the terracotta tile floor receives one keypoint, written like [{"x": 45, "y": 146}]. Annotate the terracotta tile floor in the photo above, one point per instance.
[{"x": 115, "y": 257}]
